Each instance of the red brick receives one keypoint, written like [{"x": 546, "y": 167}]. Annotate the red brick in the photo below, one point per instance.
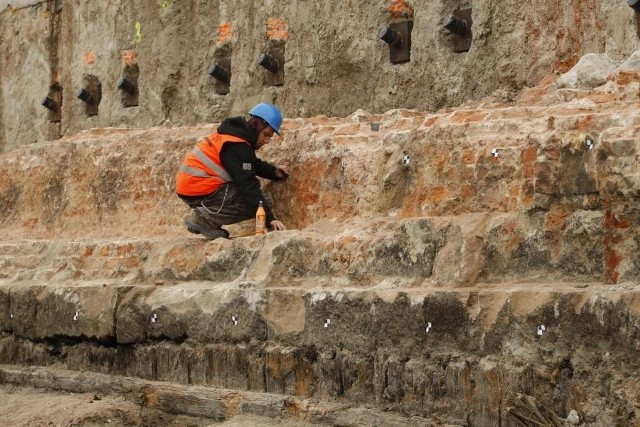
[
  {"x": 436, "y": 194},
  {"x": 400, "y": 9},
  {"x": 556, "y": 221},
  {"x": 612, "y": 221},
  {"x": 225, "y": 33},
  {"x": 468, "y": 116},
  {"x": 132, "y": 262},
  {"x": 349, "y": 129},
  {"x": 623, "y": 78},
  {"x": 529, "y": 156},
  {"x": 124, "y": 249},
  {"x": 612, "y": 261},
  {"x": 277, "y": 29},
  {"x": 430, "y": 121},
  {"x": 468, "y": 191},
  {"x": 584, "y": 124},
  {"x": 468, "y": 156},
  {"x": 509, "y": 227}
]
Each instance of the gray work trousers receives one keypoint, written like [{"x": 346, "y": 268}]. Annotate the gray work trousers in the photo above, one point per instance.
[{"x": 224, "y": 206}]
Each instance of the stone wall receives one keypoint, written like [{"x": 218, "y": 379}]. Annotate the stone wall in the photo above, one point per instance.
[
  {"x": 475, "y": 265},
  {"x": 545, "y": 186},
  {"x": 334, "y": 62},
  {"x": 415, "y": 285}
]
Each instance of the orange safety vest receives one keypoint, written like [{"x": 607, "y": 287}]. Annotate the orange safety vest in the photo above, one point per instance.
[{"x": 201, "y": 172}]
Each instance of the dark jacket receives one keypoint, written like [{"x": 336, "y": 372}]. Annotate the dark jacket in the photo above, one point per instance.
[{"x": 241, "y": 163}]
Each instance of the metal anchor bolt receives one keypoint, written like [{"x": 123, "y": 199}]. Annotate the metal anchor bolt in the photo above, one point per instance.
[
  {"x": 389, "y": 36},
  {"x": 84, "y": 96},
  {"x": 49, "y": 103},
  {"x": 218, "y": 73},
  {"x": 456, "y": 25},
  {"x": 268, "y": 62},
  {"x": 126, "y": 85}
]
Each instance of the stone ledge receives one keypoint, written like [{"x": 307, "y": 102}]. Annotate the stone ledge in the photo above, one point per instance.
[
  {"x": 446, "y": 373},
  {"x": 554, "y": 204},
  {"x": 339, "y": 169},
  {"x": 446, "y": 251},
  {"x": 357, "y": 319}
]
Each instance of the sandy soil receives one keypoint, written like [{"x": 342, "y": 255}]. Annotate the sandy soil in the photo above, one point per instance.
[{"x": 28, "y": 407}]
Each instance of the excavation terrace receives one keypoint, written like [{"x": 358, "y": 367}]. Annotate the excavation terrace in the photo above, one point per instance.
[{"x": 474, "y": 266}]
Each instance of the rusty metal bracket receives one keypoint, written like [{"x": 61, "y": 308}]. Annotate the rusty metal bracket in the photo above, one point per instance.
[
  {"x": 128, "y": 83},
  {"x": 459, "y": 24},
  {"x": 635, "y": 5},
  {"x": 221, "y": 72},
  {"x": 398, "y": 36},
  {"x": 273, "y": 61},
  {"x": 53, "y": 102},
  {"x": 91, "y": 95}
]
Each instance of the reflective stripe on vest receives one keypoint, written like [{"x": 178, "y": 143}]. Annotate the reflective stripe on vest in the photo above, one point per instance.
[
  {"x": 218, "y": 170},
  {"x": 195, "y": 172}
]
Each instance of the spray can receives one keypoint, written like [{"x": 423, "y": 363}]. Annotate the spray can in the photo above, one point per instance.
[{"x": 261, "y": 220}]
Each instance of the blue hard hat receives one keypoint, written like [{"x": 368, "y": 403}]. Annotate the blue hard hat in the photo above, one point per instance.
[{"x": 270, "y": 114}]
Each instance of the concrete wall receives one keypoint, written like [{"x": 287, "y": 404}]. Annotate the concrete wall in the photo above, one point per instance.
[{"x": 334, "y": 62}]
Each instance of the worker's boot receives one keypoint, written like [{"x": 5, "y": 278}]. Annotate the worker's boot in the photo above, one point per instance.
[{"x": 199, "y": 222}]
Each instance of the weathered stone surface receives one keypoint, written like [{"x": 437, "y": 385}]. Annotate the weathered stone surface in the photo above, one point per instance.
[
  {"x": 416, "y": 285},
  {"x": 591, "y": 71},
  {"x": 334, "y": 64},
  {"x": 492, "y": 360},
  {"x": 557, "y": 176},
  {"x": 5, "y": 309},
  {"x": 631, "y": 64}
]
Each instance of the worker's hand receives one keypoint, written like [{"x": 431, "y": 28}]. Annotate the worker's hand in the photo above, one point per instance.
[
  {"x": 277, "y": 225},
  {"x": 281, "y": 173}
]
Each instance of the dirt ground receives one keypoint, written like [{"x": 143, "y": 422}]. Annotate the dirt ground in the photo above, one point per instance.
[{"x": 29, "y": 407}]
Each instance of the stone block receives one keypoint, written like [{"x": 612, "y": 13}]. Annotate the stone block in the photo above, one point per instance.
[
  {"x": 581, "y": 252},
  {"x": 78, "y": 311},
  {"x": 133, "y": 315},
  {"x": 24, "y": 306},
  {"x": 622, "y": 147},
  {"x": 574, "y": 175},
  {"x": 285, "y": 313},
  {"x": 591, "y": 71},
  {"x": 205, "y": 314},
  {"x": 5, "y": 309}
]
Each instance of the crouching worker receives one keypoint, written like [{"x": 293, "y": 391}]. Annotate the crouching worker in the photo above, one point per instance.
[{"x": 218, "y": 178}]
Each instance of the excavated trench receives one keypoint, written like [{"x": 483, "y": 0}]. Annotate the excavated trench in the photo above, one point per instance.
[{"x": 472, "y": 267}]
